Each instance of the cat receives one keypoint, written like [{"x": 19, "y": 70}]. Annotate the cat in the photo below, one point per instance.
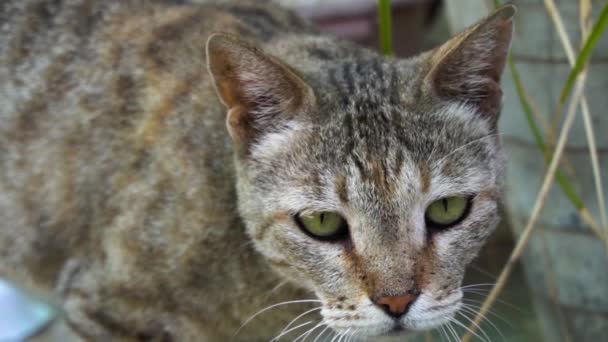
[{"x": 176, "y": 171}]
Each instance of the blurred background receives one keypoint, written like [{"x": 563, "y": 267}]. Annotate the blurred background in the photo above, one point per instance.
[{"x": 556, "y": 287}]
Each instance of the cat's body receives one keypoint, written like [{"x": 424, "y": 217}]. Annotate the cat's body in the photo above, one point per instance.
[
  {"x": 118, "y": 175},
  {"x": 105, "y": 131}
]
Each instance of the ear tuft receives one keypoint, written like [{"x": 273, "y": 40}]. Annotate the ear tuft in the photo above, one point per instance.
[
  {"x": 259, "y": 91},
  {"x": 469, "y": 66}
]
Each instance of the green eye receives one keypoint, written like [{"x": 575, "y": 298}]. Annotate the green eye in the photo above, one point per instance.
[
  {"x": 323, "y": 225},
  {"x": 447, "y": 212}
]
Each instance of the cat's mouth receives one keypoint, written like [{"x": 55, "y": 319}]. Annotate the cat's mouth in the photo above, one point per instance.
[{"x": 371, "y": 321}]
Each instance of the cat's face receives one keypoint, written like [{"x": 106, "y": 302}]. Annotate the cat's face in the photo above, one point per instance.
[
  {"x": 378, "y": 187},
  {"x": 380, "y": 170}
]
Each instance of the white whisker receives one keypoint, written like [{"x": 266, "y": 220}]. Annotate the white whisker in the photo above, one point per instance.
[
  {"x": 455, "y": 321},
  {"x": 477, "y": 285},
  {"x": 290, "y": 330},
  {"x": 305, "y": 335},
  {"x": 475, "y": 308},
  {"x": 478, "y": 326},
  {"x": 346, "y": 334},
  {"x": 445, "y": 334},
  {"x": 514, "y": 307},
  {"x": 452, "y": 331},
  {"x": 486, "y": 319},
  {"x": 298, "y": 317},
  {"x": 437, "y": 163},
  {"x": 445, "y": 123},
  {"x": 322, "y": 332},
  {"x": 338, "y": 335},
  {"x": 272, "y": 307},
  {"x": 278, "y": 286}
]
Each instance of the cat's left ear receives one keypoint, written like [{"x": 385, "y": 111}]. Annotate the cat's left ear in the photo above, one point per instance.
[
  {"x": 260, "y": 92},
  {"x": 468, "y": 67}
]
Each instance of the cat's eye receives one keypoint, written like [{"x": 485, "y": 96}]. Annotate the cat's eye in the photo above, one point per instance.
[
  {"x": 323, "y": 225},
  {"x": 447, "y": 212}
]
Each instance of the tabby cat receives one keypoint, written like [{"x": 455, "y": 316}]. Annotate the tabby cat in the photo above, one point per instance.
[{"x": 169, "y": 169}]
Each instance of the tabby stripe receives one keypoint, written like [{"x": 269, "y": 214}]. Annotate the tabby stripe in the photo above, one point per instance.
[
  {"x": 359, "y": 164},
  {"x": 377, "y": 68},
  {"x": 347, "y": 77},
  {"x": 394, "y": 89},
  {"x": 342, "y": 188},
  {"x": 398, "y": 162},
  {"x": 110, "y": 324},
  {"x": 36, "y": 19},
  {"x": 425, "y": 178},
  {"x": 257, "y": 20},
  {"x": 335, "y": 82}
]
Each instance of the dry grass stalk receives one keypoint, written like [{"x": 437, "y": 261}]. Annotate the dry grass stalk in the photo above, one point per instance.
[
  {"x": 539, "y": 204},
  {"x": 585, "y": 21}
]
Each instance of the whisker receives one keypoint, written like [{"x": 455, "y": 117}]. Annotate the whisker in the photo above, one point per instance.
[
  {"x": 445, "y": 334},
  {"x": 437, "y": 163},
  {"x": 322, "y": 332},
  {"x": 477, "y": 285},
  {"x": 290, "y": 330},
  {"x": 478, "y": 326},
  {"x": 343, "y": 335},
  {"x": 340, "y": 335},
  {"x": 299, "y": 316},
  {"x": 350, "y": 334},
  {"x": 445, "y": 123},
  {"x": 455, "y": 321},
  {"x": 452, "y": 331},
  {"x": 483, "y": 272},
  {"x": 278, "y": 286},
  {"x": 335, "y": 336},
  {"x": 505, "y": 303},
  {"x": 307, "y": 333},
  {"x": 486, "y": 319},
  {"x": 271, "y": 307},
  {"x": 346, "y": 336},
  {"x": 353, "y": 335},
  {"x": 474, "y": 309}
]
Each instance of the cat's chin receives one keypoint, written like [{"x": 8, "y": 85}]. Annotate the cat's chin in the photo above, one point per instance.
[
  {"x": 393, "y": 330},
  {"x": 398, "y": 330}
]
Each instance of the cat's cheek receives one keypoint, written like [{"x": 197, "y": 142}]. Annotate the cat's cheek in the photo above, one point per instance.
[
  {"x": 295, "y": 257},
  {"x": 464, "y": 242},
  {"x": 294, "y": 276}
]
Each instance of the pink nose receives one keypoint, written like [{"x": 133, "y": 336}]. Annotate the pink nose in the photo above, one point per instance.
[{"x": 396, "y": 306}]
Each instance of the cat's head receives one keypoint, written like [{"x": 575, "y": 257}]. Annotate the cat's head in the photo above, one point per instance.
[{"x": 371, "y": 181}]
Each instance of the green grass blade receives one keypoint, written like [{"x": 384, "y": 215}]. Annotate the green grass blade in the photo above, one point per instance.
[
  {"x": 561, "y": 179},
  {"x": 386, "y": 26},
  {"x": 585, "y": 54}
]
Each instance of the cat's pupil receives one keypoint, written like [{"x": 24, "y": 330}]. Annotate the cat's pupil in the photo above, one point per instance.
[
  {"x": 445, "y": 204},
  {"x": 321, "y": 217}
]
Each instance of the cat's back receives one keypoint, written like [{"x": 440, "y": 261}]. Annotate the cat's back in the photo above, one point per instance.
[{"x": 108, "y": 123}]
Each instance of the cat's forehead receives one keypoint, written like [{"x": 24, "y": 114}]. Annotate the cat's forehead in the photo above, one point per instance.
[
  {"x": 385, "y": 158},
  {"x": 364, "y": 83},
  {"x": 383, "y": 125},
  {"x": 368, "y": 84},
  {"x": 376, "y": 136}
]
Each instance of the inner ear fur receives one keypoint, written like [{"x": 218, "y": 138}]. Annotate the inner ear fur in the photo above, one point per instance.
[{"x": 259, "y": 91}]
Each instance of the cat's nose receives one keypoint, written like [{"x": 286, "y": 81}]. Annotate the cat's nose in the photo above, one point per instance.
[{"x": 396, "y": 306}]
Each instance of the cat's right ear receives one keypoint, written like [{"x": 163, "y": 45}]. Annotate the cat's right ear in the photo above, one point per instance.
[
  {"x": 260, "y": 92},
  {"x": 469, "y": 66}
]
